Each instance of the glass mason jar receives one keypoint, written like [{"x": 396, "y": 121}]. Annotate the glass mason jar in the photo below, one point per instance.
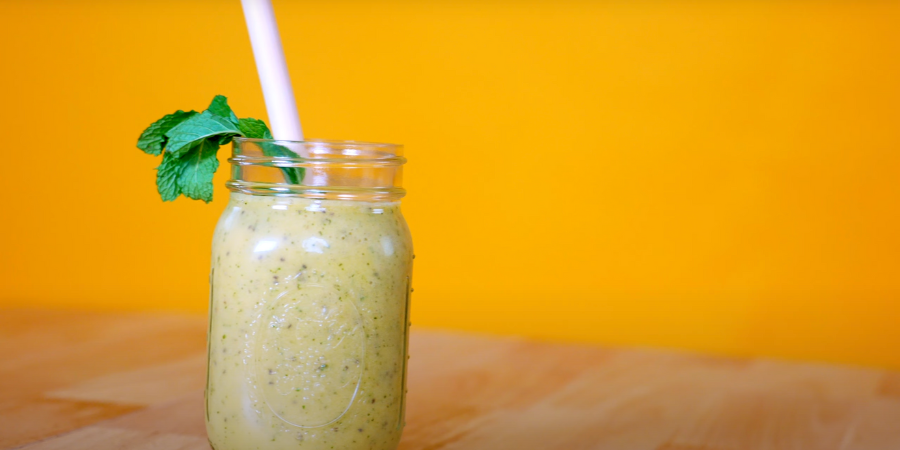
[{"x": 309, "y": 299}]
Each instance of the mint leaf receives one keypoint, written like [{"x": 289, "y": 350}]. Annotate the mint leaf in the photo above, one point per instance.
[
  {"x": 198, "y": 127},
  {"x": 254, "y": 128},
  {"x": 197, "y": 168},
  {"x": 167, "y": 176},
  {"x": 225, "y": 140},
  {"x": 153, "y": 139},
  {"x": 189, "y": 142},
  {"x": 219, "y": 107}
]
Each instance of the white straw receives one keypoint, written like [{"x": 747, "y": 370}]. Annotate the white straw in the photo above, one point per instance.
[{"x": 272, "y": 68}]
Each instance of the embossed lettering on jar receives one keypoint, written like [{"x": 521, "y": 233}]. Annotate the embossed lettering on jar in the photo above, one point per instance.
[{"x": 309, "y": 299}]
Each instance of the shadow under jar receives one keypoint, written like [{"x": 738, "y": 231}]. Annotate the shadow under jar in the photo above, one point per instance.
[{"x": 309, "y": 299}]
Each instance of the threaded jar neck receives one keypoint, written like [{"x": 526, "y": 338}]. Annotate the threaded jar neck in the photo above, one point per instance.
[{"x": 317, "y": 169}]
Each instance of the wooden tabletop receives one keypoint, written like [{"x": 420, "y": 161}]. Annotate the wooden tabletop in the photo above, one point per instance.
[{"x": 135, "y": 381}]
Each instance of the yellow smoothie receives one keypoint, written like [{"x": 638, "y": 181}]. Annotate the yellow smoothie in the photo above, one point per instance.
[{"x": 308, "y": 324}]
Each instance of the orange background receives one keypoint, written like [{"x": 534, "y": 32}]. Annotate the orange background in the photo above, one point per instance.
[{"x": 719, "y": 176}]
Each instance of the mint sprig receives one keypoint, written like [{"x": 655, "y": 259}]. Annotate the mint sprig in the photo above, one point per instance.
[{"x": 189, "y": 142}]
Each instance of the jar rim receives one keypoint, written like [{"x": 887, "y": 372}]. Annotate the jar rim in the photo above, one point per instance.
[
  {"x": 325, "y": 142},
  {"x": 320, "y": 151}
]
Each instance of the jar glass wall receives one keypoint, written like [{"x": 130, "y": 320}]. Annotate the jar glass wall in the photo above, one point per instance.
[{"x": 309, "y": 299}]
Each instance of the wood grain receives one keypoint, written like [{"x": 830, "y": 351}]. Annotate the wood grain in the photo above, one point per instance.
[{"x": 116, "y": 381}]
